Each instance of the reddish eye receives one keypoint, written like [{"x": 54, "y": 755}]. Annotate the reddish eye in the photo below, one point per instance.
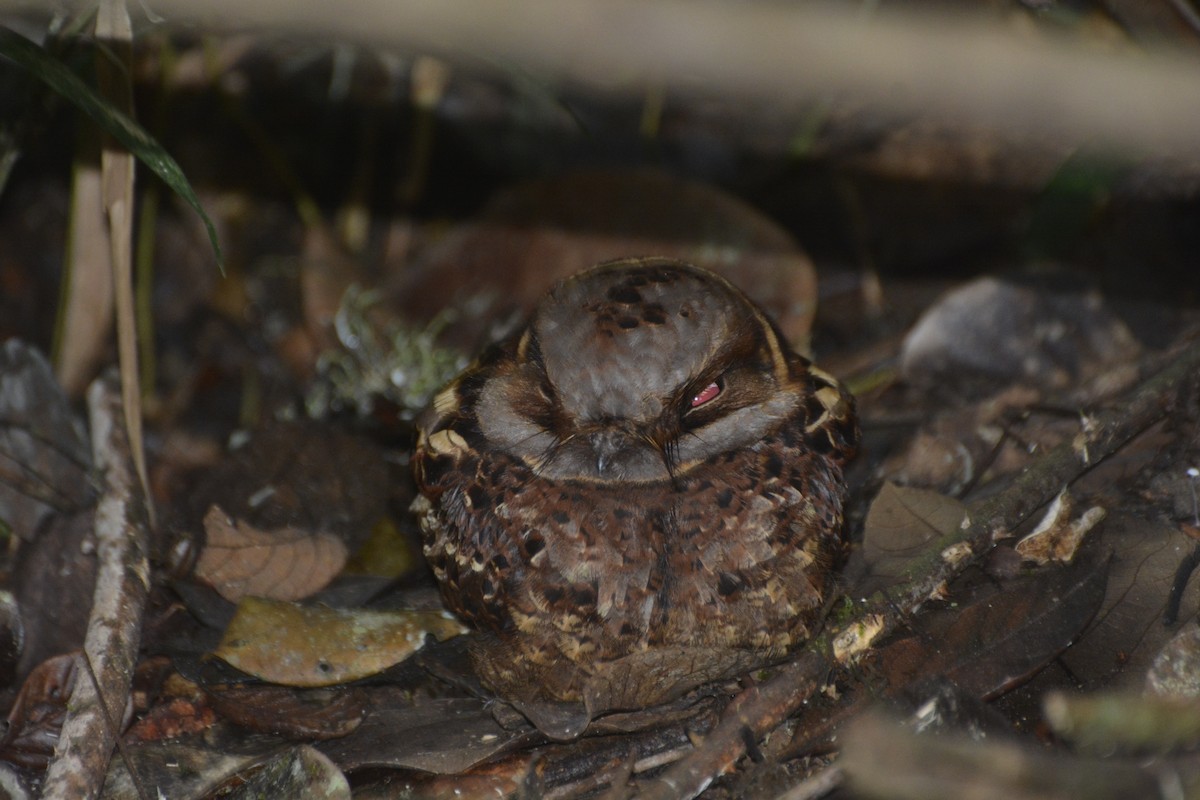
[{"x": 706, "y": 394}]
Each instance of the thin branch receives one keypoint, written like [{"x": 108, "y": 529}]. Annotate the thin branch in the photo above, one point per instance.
[
  {"x": 86, "y": 742},
  {"x": 113, "y": 28}
]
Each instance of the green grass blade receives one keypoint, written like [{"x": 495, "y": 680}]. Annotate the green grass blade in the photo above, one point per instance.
[{"x": 125, "y": 130}]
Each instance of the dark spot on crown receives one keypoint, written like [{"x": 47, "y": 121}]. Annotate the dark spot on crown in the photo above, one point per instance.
[
  {"x": 583, "y": 595},
  {"x": 553, "y": 594},
  {"x": 627, "y": 323},
  {"x": 728, "y": 583},
  {"x": 533, "y": 545},
  {"x": 774, "y": 465},
  {"x": 624, "y": 293},
  {"x": 654, "y": 314},
  {"x": 561, "y": 517},
  {"x": 724, "y": 498},
  {"x": 628, "y": 629}
]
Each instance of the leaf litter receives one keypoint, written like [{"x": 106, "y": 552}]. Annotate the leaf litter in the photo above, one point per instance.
[{"x": 305, "y": 500}]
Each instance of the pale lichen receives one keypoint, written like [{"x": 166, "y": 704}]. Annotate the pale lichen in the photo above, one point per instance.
[{"x": 381, "y": 357}]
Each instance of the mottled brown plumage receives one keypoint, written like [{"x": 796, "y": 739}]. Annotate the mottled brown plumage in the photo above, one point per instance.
[{"x": 640, "y": 492}]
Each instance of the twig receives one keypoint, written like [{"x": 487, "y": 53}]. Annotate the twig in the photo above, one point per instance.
[
  {"x": 819, "y": 785},
  {"x": 761, "y": 708},
  {"x": 114, "y": 726},
  {"x": 114, "y": 628},
  {"x": 114, "y": 29}
]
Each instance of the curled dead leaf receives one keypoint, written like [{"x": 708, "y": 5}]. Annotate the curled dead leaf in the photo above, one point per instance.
[{"x": 282, "y": 564}]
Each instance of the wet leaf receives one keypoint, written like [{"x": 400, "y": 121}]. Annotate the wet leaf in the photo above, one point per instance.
[
  {"x": 443, "y": 736},
  {"x": 37, "y": 715},
  {"x": 992, "y": 640},
  {"x": 281, "y": 564},
  {"x": 300, "y": 773},
  {"x": 1129, "y": 632},
  {"x": 1001, "y": 639},
  {"x": 294, "y": 713},
  {"x": 302, "y": 646},
  {"x": 186, "y": 770},
  {"x": 54, "y": 579}
]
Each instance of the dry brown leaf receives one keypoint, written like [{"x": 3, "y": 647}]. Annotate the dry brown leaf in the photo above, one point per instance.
[
  {"x": 539, "y": 232},
  {"x": 1128, "y": 633},
  {"x": 900, "y": 522},
  {"x": 282, "y": 564},
  {"x": 316, "y": 646}
]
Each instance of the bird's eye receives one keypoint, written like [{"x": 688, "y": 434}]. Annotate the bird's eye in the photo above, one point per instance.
[{"x": 706, "y": 394}]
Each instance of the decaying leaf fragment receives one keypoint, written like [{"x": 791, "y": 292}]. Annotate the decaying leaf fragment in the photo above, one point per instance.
[
  {"x": 282, "y": 564},
  {"x": 1057, "y": 536},
  {"x": 854, "y": 640},
  {"x": 315, "y": 646}
]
